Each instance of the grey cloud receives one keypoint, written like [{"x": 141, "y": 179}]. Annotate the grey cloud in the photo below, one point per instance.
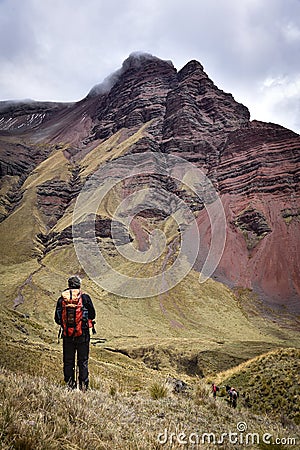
[
  {"x": 58, "y": 50},
  {"x": 235, "y": 38},
  {"x": 16, "y": 35}
]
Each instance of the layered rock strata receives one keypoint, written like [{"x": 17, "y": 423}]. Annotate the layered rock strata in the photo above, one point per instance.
[{"x": 254, "y": 166}]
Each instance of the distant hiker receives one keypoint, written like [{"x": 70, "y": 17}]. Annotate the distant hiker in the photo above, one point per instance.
[
  {"x": 214, "y": 389},
  {"x": 233, "y": 397},
  {"x": 75, "y": 313},
  {"x": 229, "y": 393}
]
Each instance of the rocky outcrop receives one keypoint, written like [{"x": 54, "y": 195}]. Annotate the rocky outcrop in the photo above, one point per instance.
[
  {"x": 54, "y": 196},
  {"x": 99, "y": 227},
  {"x": 19, "y": 158},
  {"x": 290, "y": 214},
  {"x": 11, "y": 199},
  {"x": 197, "y": 108},
  {"x": 253, "y": 225},
  {"x": 28, "y": 114},
  {"x": 261, "y": 158},
  {"x": 138, "y": 96}
]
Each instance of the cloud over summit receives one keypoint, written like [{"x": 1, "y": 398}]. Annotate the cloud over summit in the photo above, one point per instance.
[{"x": 57, "y": 50}]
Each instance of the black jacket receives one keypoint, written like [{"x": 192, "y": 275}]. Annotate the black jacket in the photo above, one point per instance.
[{"x": 87, "y": 303}]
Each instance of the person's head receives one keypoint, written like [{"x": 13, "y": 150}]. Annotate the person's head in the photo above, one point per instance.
[{"x": 74, "y": 282}]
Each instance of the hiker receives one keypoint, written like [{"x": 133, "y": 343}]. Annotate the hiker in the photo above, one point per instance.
[
  {"x": 75, "y": 313},
  {"x": 234, "y": 397},
  {"x": 214, "y": 389},
  {"x": 229, "y": 393}
]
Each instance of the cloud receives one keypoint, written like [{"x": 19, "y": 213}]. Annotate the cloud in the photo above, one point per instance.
[
  {"x": 135, "y": 59},
  {"x": 280, "y": 99},
  {"x": 59, "y": 50}
]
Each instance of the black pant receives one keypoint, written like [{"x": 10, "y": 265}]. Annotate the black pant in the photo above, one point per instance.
[{"x": 81, "y": 345}]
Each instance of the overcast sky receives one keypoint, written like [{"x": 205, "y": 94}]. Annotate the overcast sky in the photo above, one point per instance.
[{"x": 59, "y": 49}]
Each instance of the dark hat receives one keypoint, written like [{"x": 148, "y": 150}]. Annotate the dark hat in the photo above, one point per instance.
[{"x": 74, "y": 282}]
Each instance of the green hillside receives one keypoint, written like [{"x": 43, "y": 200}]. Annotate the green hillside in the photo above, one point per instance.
[
  {"x": 269, "y": 383},
  {"x": 192, "y": 330}
]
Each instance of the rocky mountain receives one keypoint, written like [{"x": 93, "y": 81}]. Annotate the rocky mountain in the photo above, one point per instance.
[
  {"x": 181, "y": 216},
  {"x": 49, "y": 150}
]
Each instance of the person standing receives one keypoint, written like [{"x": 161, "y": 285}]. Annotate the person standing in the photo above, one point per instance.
[
  {"x": 234, "y": 397},
  {"x": 75, "y": 313},
  {"x": 214, "y": 389}
]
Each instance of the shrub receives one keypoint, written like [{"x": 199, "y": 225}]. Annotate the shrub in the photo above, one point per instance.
[
  {"x": 113, "y": 390},
  {"x": 158, "y": 390},
  {"x": 201, "y": 394}
]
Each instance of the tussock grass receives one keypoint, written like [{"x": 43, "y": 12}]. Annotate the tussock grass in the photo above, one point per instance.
[
  {"x": 39, "y": 415},
  {"x": 158, "y": 390},
  {"x": 201, "y": 394}
]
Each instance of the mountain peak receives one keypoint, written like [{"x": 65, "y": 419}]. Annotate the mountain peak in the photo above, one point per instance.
[
  {"x": 191, "y": 68},
  {"x": 193, "y": 65},
  {"x": 136, "y": 61}
]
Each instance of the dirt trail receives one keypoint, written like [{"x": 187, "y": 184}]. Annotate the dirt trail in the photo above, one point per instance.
[{"x": 19, "y": 300}]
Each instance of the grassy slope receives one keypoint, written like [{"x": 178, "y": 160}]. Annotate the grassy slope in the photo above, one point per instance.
[
  {"x": 189, "y": 329},
  {"x": 269, "y": 383},
  {"x": 38, "y": 414}
]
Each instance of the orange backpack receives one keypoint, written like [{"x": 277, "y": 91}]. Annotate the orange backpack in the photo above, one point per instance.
[{"x": 73, "y": 312}]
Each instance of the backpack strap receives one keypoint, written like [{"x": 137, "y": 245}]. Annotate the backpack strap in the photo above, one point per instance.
[{"x": 59, "y": 334}]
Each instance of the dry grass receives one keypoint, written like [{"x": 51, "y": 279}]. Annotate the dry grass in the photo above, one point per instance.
[
  {"x": 39, "y": 415},
  {"x": 158, "y": 390},
  {"x": 269, "y": 383}
]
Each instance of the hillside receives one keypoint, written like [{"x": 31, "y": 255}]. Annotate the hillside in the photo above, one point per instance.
[
  {"x": 39, "y": 414},
  {"x": 269, "y": 383},
  {"x": 180, "y": 214}
]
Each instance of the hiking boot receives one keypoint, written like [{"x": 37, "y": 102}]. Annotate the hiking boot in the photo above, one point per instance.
[
  {"x": 71, "y": 384},
  {"x": 83, "y": 385}
]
